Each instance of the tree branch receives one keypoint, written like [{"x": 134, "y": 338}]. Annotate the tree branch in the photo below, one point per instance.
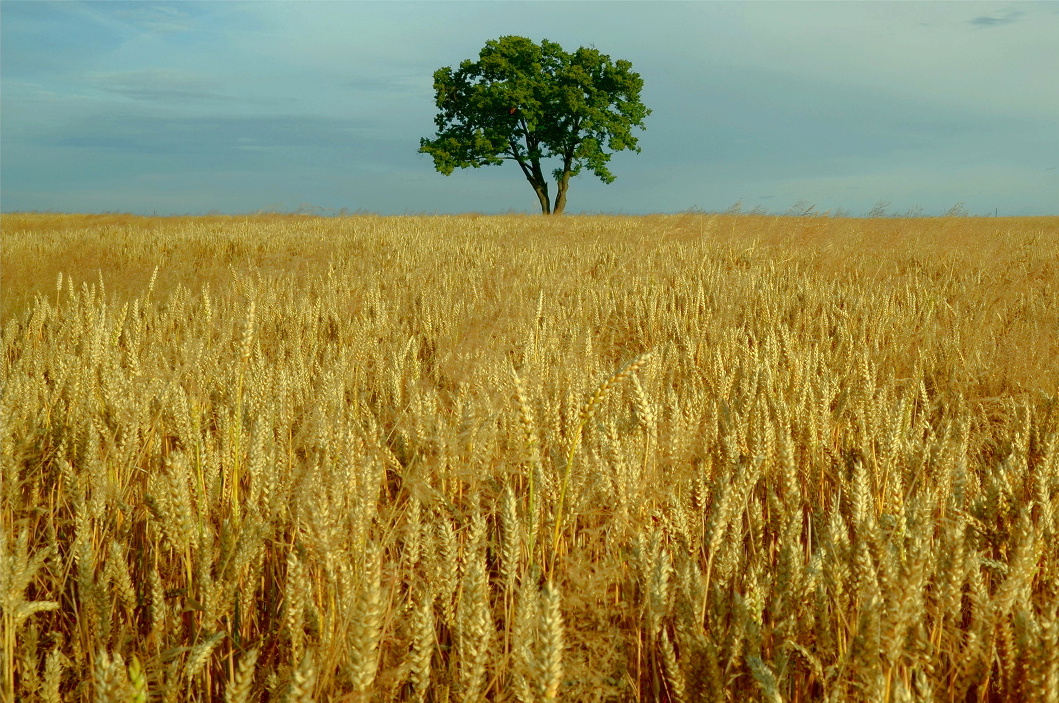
[{"x": 521, "y": 162}]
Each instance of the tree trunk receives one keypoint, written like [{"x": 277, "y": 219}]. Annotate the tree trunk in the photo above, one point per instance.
[
  {"x": 540, "y": 186},
  {"x": 541, "y": 189},
  {"x": 560, "y": 195}
]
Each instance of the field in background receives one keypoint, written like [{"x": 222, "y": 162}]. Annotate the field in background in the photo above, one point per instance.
[{"x": 517, "y": 458}]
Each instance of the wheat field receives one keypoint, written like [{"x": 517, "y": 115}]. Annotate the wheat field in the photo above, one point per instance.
[{"x": 594, "y": 458}]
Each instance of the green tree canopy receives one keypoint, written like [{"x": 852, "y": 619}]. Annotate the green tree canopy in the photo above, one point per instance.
[{"x": 525, "y": 102}]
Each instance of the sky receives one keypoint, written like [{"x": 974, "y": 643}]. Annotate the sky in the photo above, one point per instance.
[{"x": 176, "y": 108}]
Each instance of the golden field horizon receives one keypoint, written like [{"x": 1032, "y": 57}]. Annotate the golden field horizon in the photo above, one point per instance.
[{"x": 516, "y": 458}]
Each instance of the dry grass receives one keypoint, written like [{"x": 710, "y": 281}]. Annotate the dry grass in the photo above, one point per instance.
[{"x": 514, "y": 458}]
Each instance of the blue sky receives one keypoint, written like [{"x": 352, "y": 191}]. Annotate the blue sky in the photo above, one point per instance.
[{"x": 189, "y": 107}]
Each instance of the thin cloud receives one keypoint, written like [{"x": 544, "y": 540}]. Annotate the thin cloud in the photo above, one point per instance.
[
  {"x": 155, "y": 17},
  {"x": 395, "y": 84},
  {"x": 209, "y": 135},
  {"x": 1005, "y": 18},
  {"x": 156, "y": 85}
]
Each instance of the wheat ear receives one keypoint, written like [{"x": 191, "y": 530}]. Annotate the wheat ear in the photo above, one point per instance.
[{"x": 238, "y": 688}]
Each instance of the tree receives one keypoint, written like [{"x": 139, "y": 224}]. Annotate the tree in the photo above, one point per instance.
[{"x": 525, "y": 102}]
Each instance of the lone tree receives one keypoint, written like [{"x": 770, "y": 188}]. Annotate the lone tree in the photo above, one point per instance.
[{"x": 525, "y": 102}]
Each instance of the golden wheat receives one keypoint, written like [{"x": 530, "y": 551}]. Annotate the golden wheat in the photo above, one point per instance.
[{"x": 360, "y": 459}]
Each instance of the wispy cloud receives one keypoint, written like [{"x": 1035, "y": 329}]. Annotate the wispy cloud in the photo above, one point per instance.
[
  {"x": 209, "y": 136},
  {"x": 156, "y": 17},
  {"x": 156, "y": 85},
  {"x": 395, "y": 84},
  {"x": 998, "y": 19}
]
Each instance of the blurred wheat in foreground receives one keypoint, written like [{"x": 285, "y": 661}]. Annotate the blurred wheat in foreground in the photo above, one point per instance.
[{"x": 680, "y": 458}]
